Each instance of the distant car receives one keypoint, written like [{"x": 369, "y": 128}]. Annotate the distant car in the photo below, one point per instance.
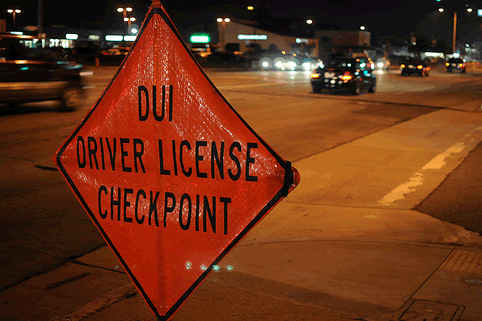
[
  {"x": 201, "y": 51},
  {"x": 280, "y": 60},
  {"x": 382, "y": 64},
  {"x": 457, "y": 64},
  {"x": 351, "y": 74},
  {"x": 413, "y": 66},
  {"x": 29, "y": 75},
  {"x": 120, "y": 51}
]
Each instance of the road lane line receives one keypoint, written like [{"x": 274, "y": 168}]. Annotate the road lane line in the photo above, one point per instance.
[
  {"x": 398, "y": 193},
  {"x": 248, "y": 86}
]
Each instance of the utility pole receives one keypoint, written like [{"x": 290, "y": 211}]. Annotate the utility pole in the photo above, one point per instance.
[
  {"x": 454, "y": 36},
  {"x": 40, "y": 19}
]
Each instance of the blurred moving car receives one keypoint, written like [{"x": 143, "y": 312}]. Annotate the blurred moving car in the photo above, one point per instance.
[
  {"x": 352, "y": 74},
  {"x": 29, "y": 75},
  {"x": 412, "y": 66},
  {"x": 457, "y": 64}
]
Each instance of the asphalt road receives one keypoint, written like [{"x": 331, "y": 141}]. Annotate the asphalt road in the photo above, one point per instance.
[
  {"x": 43, "y": 225},
  {"x": 457, "y": 199}
]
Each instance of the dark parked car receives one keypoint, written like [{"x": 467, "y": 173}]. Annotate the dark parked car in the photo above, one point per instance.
[
  {"x": 456, "y": 64},
  {"x": 352, "y": 74},
  {"x": 413, "y": 66},
  {"x": 28, "y": 75}
]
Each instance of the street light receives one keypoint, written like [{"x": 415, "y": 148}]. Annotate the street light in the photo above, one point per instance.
[
  {"x": 129, "y": 21},
  {"x": 222, "y": 37},
  {"x": 454, "y": 33},
  {"x": 124, "y": 11},
  {"x": 14, "y": 13}
]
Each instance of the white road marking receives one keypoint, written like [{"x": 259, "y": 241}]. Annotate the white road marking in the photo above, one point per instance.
[
  {"x": 470, "y": 140},
  {"x": 248, "y": 85}
]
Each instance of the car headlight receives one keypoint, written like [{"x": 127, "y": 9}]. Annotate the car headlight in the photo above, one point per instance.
[
  {"x": 265, "y": 62},
  {"x": 306, "y": 66},
  {"x": 291, "y": 65},
  {"x": 279, "y": 63}
]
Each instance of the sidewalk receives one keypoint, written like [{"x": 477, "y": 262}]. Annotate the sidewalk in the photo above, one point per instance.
[{"x": 300, "y": 279}]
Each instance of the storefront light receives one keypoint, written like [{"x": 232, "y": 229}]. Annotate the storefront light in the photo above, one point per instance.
[
  {"x": 130, "y": 38},
  {"x": 71, "y": 36},
  {"x": 114, "y": 38},
  {"x": 200, "y": 39},
  {"x": 252, "y": 37}
]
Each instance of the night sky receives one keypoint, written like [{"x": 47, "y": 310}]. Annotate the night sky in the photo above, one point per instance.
[{"x": 381, "y": 17}]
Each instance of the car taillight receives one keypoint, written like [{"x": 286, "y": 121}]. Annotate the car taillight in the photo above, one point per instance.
[
  {"x": 315, "y": 75},
  {"x": 402, "y": 66},
  {"x": 419, "y": 67},
  {"x": 346, "y": 76}
]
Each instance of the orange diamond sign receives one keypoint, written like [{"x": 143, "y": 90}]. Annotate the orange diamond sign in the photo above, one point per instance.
[{"x": 167, "y": 170}]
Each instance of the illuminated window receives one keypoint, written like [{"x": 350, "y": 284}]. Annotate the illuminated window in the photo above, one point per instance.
[
  {"x": 72, "y": 36},
  {"x": 114, "y": 38},
  {"x": 252, "y": 37}
]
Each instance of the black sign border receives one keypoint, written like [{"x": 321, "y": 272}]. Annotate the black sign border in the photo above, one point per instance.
[{"x": 159, "y": 11}]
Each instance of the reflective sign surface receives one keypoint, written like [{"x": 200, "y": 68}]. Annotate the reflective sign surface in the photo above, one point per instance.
[{"x": 167, "y": 170}]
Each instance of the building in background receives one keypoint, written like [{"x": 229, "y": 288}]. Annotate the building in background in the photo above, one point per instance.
[
  {"x": 342, "y": 41},
  {"x": 245, "y": 36}
]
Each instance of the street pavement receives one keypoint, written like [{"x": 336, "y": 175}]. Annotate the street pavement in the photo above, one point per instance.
[
  {"x": 367, "y": 255},
  {"x": 390, "y": 268}
]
